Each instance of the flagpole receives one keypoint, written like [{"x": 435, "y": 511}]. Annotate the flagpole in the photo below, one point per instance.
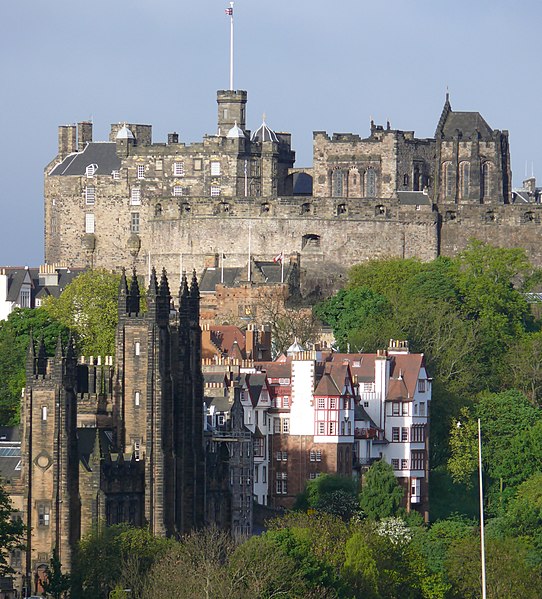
[
  {"x": 249, "y": 243},
  {"x": 231, "y": 46},
  {"x": 222, "y": 268}
]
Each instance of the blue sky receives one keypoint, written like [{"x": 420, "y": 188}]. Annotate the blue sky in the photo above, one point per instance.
[{"x": 308, "y": 64}]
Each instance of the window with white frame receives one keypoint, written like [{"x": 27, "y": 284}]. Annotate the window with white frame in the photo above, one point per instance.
[
  {"x": 137, "y": 348},
  {"x": 281, "y": 456},
  {"x": 177, "y": 191},
  {"x": 404, "y": 434},
  {"x": 135, "y": 196},
  {"x": 276, "y": 425},
  {"x": 282, "y": 483},
  {"x": 404, "y": 464},
  {"x": 405, "y": 408},
  {"x": 44, "y": 413},
  {"x": 137, "y": 450},
  {"x": 215, "y": 191},
  {"x": 90, "y": 170},
  {"x": 367, "y": 387},
  {"x": 178, "y": 169},
  {"x": 134, "y": 222},
  {"x": 258, "y": 447},
  {"x": 332, "y": 428},
  {"x": 418, "y": 459},
  {"x": 115, "y": 174},
  {"x": 90, "y": 223},
  {"x": 44, "y": 514},
  {"x": 215, "y": 168},
  {"x": 332, "y": 403},
  {"x": 90, "y": 195},
  {"x": 286, "y": 402},
  {"x": 321, "y": 403},
  {"x": 285, "y": 425},
  {"x": 395, "y": 434},
  {"x": 395, "y": 408},
  {"x": 137, "y": 398},
  {"x": 313, "y": 475},
  {"x": 421, "y": 385},
  {"x": 312, "y": 455},
  {"x": 321, "y": 428},
  {"x": 318, "y": 455},
  {"x": 395, "y": 463},
  {"x": 140, "y": 171},
  {"x": 221, "y": 420}
]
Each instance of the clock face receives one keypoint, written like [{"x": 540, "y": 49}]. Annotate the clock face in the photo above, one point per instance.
[{"x": 43, "y": 460}]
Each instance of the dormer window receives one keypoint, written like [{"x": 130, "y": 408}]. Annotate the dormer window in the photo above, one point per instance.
[{"x": 90, "y": 170}]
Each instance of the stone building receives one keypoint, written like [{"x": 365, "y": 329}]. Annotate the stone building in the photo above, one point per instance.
[
  {"x": 112, "y": 443},
  {"x": 238, "y": 194}
]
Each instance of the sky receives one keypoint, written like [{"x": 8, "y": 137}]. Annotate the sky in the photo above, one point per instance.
[{"x": 309, "y": 65}]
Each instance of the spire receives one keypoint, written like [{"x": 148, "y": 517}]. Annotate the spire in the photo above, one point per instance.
[
  {"x": 134, "y": 303},
  {"x": 194, "y": 287},
  {"x": 153, "y": 284},
  {"x": 58, "y": 352},
  {"x": 30, "y": 357},
  {"x": 41, "y": 365},
  {"x": 164, "y": 285},
  {"x": 447, "y": 108},
  {"x": 183, "y": 289},
  {"x": 124, "y": 295}
]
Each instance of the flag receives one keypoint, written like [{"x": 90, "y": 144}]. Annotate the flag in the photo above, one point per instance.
[
  {"x": 279, "y": 258},
  {"x": 229, "y": 11}
]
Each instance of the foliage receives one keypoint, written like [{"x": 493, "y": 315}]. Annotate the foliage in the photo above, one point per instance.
[
  {"x": 330, "y": 493},
  {"x": 15, "y": 335},
  {"x": 56, "y": 583},
  {"x": 524, "y": 367},
  {"x": 88, "y": 306},
  {"x": 11, "y": 532},
  {"x": 381, "y": 494}
]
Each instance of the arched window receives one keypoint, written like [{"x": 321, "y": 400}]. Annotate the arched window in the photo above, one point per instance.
[
  {"x": 416, "y": 179},
  {"x": 485, "y": 180},
  {"x": 464, "y": 179},
  {"x": 337, "y": 184},
  {"x": 370, "y": 183},
  {"x": 158, "y": 210},
  {"x": 341, "y": 209},
  {"x": 405, "y": 180},
  {"x": 449, "y": 177}
]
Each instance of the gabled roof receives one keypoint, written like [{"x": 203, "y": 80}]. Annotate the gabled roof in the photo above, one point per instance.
[
  {"x": 16, "y": 278},
  {"x": 467, "y": 123},
  {"x": 405, "y": 367},
  {"x": 101, "y": 153},
  {"x": 87, "y": 445},
  {"x": 255, "y": 383},
  {"x": 276, "y": 370},
  {"x": 333, "y": 379},
  {"x": 228, "y": 276}
]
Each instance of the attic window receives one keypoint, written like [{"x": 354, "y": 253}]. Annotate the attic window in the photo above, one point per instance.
[{"x": 90, "y": 170}]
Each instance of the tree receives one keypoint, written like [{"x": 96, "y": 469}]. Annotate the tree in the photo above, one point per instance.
[
  {"x": 11, "y": 532},
  {"x": 381, "y": 494},
  {"x": 56, "y": 583},
  {"x": 330, "y": 493},
  {"x": 14, "y": 342},
  {"x": 524, "y": 370},
  {"x": 88, "y": 306}
]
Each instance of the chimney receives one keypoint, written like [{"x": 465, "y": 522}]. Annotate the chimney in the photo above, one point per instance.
[
  {"x": 84, "y": 135},
  {"x": 67, "y": 140}
]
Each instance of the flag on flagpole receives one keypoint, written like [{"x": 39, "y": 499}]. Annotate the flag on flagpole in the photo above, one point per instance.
[
  {"x": 229, "y": 11},
  {"x": 279, "y": 258}
]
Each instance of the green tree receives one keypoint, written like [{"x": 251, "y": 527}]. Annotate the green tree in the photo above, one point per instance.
[
  {"x": 381, "y": 494},
  {"x": 11, "y": 532},
  {"x": 14, "y": 342},
  {"x": 360, "y": 567},
  {"x": 56, "y": 583},
  {"x": 330, "y": 493},
  {"x": 88, "y": 306},
  {"x": 524, "y": 367}
]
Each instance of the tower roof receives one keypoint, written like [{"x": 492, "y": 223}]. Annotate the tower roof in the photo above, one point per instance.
[
  {"x": 235, "y": 132},
  {"x": 264, "y": 133},
  {"x": 125, "y": 133}
]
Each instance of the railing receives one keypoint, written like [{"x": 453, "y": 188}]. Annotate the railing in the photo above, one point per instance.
[{"x": 365, "y": 433}]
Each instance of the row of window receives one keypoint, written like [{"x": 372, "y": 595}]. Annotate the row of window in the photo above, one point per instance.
[
  {"x": 135, "y": 194},
  {"x": 464, "y": 182},
  {"x": 331, "y": 428},
  {"x": 417, "y": 461},
  {"x": 398, "y": 408},
  {"x": 340, "y": 181},
  {"x": 178, "y": 169},
  {"x": 402, "y": 434},
  {"x": 332, "y": 403},
  {"x": 281, "y": 425}
]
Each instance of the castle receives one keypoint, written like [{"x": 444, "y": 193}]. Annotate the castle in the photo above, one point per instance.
[
  {"x": 124, "y": 442},
  {"x": 238, "y": 194}
]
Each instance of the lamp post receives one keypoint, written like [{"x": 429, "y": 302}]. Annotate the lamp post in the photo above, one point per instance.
[{"x": 482, "y": 540}]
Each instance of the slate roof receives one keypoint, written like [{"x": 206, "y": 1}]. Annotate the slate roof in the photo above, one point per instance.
[
  {"x": 10, "y": 453},
  {"x": 211, "y": 277},
  {"x": 255, "y": 383},
  {"x": 16, "y": 276},
  {"x": 86, "y": 439},
  {"x": 65, "y": 277},
  {"x": 102, "y": 153},
  {"x": 413, "y": 198},
  {"x": 302, "y": 184},
  {"x": 468, "y": 123}
]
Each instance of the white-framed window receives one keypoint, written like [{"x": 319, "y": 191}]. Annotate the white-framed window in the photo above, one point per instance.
[
  {"x": 44, "y": 413},
  {"x": 312, "y": 455},
  {"x": 134, "y": 222},
  {"x": 395, "y": 463},
  {"x": 282, "y": 483},
  {"x": 276, "y": 425},
  {"x": 140, "y": 171},
  {"x": 281, "y": 456},
  {"x": 285, "y": 425},
  {"x": 198, "y": 164},
  {"x": 321, "y": 403},
  {"x": 135, "y": 196},
  {"x": 221, "y": 420},
  {"x": 137, "y": 398},
  {"x": 404, "y": 464},
  {"x": 215, "y": 191},
  {"x": 90, "y": 223},
  {"x": 137, "y": 348},
  {"x": 404, "y": 434},
  {"x": 422, "y": 408},
  {"x": 313, "y": 475},
  {"x": 321, "y": 428},
  {"x": 24, "y": 298},
  {"x": 90, "y": 195},
  {"x": 367, "y": 387},
  {"x": 178, "y": 169},
  {"x": 318, "y": 455},
  {"x": 333, "y": 403},
  {"x": 90, "y": 170},
  {"x": 395, "y": 408},
  {"x": 286, "y": 402},
  {"x": 405, "y": 408},
  {"x": 115, "y": 174},
  {"x": 137, "y": 451},
  {"x": 177, "y": 191},
  {"x": 332, "y": 428},
  {"x": 395, "y": 434},
  {"x": 215, "y": 168}
]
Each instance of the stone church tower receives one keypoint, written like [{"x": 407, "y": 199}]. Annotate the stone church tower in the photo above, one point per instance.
[{"x": 107, "y": 445}]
